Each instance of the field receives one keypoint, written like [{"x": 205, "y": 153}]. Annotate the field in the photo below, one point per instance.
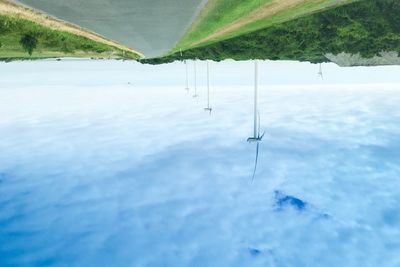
[
  {"x": 44, "y": 42},
  {"x": 9, "y": 8},
  {"x": 225, "y": 19}
]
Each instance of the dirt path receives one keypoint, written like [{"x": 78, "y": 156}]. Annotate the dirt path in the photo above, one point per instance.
[
  {"x": 268, "y": 9},
  {"x": 10, "y": 8},
  {"x": 264, "y": 11}
]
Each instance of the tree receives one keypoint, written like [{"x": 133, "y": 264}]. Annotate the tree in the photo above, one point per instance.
[{"x": 29, "y": 42}]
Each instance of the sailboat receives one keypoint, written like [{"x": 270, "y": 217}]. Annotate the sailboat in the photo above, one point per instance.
[
  {"x": 208, "y": 108},
  {"x": 186, "y": 67},
  {"x": 195, "y": 79},
  {"x": 320, "y": 73},
  {"x": 257, "y": 136}
]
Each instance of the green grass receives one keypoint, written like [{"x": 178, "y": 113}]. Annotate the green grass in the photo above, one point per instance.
[
  {"x": 366, "y": 27},
  {"x": 217, "y": 14},
  {"x": 220, "y": 13},
  {"x": 50, "y": 43}
]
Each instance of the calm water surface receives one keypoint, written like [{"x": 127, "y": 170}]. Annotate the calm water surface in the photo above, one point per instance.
[
  {"x": 151, "y": 27},
  {"x": 132, "y": 176}
]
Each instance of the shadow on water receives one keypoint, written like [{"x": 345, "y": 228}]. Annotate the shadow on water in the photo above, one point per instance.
[
  {"x": 283, "y": 201},
  {"x": 254, "y": 252}
]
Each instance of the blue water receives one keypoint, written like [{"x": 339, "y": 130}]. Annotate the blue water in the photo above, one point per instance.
[{"x": 130, "y": 176}]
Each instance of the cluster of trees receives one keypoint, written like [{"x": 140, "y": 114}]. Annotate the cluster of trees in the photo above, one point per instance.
[{"x": 366, "y": 27}]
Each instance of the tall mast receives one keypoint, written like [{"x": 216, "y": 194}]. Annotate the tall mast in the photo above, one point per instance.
[
  {"x": 320, "y": 73},
  {"x": 187, "y": 74},
  {"x": 195, "y": 79},
  {"x": 257, "y": 136},
  {"x": 208, "y": 85},
  {"x": 255, "y": 97}
]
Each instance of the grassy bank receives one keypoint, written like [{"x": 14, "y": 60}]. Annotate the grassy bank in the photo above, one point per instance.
[
  {"x": 24, "y": 39},
  {"x": 224, "y": 19},
  {"x": 366, "y": 27},
  {"x": 214, "y": 16}
]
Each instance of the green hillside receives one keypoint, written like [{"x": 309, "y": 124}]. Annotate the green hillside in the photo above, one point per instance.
[
  {"x": 23, "y": 39},
  {"x": 367, "y": 27},
  {"x": 225, "y": 19}
]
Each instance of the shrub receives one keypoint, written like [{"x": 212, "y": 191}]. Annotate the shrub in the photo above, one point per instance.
[{"x": 29, "y": 42}]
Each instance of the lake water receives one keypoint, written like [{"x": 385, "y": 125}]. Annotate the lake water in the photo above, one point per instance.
[
  {"x": 125, "y": 175},
  {"x": 150, "y": 27}
]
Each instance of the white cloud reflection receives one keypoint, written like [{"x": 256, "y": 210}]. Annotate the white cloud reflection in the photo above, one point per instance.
[{"x": 125, "y": 175}]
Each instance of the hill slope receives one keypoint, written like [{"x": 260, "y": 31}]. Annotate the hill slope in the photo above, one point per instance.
[
  {"x": 224, "y": 19},
  {"x": 28, "y": 34},
  {"x": 366, "y": 28}
]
